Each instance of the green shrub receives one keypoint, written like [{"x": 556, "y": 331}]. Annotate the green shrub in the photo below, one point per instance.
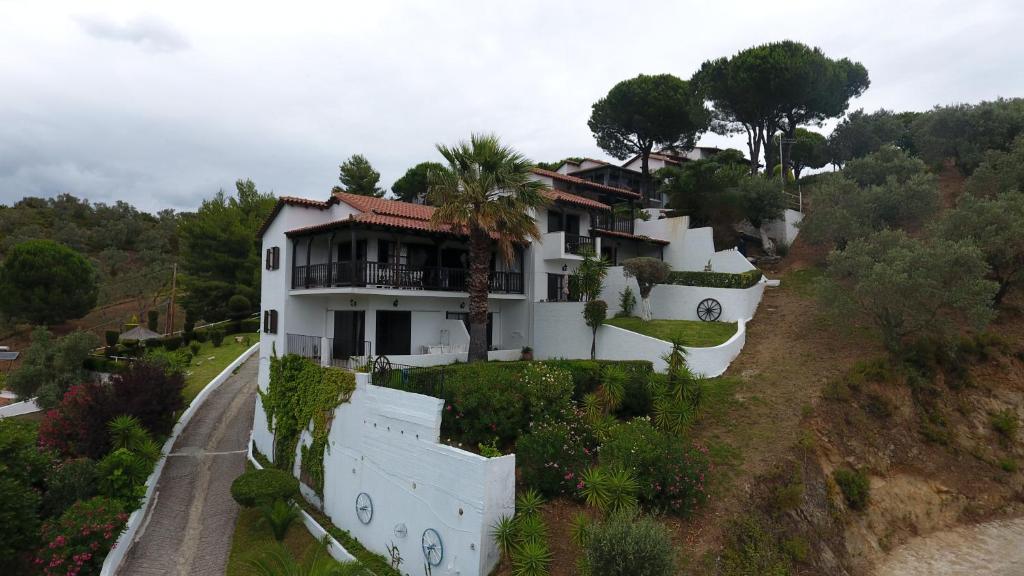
[
  {"x": 172, "y": 343},
  {"x": 751, "y": 550},
  {"x": 238, "y": 307},
  {"x": 194, "y": 347},
  {"x": 855, "y": 486},
  {"x": 483, "y": 403},
  {"x": 671, "y": 475},
  {"x": 85, "y": 532},
  {"x": 715, "y": 279},
  {"x": 279, "y": 516},
  {"x": 548, "y": 392},
  {"x": 111, "y": 337},
  {"x": 152, "y": 318},
  {"x": 626, "y": 546},
  {"x": 258, "y": 487},
  {"x": 249, "y": 325},
  {"x": 613, "y": 490},
  {"x": 68, "y": 482},
  {"x": 122, "y": 475},
  {"x": 627, "y": 301},
  {"x": 1006, "y": 424},
  {"x": 19, "y": 523},
  {"x": 217, "y": 338},
  {"x": 202, "y": 335},
  {"x": 552, "y": 456}
]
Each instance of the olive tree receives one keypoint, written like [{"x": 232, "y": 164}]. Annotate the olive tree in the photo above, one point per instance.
[
  {"x": 648, "y": 273},
  {"x": 996, "y": 226},
  {"x": 588, "y": 281},
  {"x": 906, "y": 287}
]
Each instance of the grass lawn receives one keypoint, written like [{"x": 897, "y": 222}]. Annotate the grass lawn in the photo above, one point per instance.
[
  {"x": 211, "y": 361},
  {"x": 253, "y": 536},
  {"x": 690, "y": 332}
]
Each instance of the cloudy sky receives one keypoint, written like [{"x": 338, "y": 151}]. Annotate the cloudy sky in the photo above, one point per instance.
[{"x": 162, "y": 104}]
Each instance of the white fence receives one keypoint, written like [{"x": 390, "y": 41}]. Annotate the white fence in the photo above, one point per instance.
[
  {"x": 131, "y": 531},
  {"x": 20, "y": 408}
]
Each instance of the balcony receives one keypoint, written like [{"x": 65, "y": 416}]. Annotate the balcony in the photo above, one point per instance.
[
  {"x": 613, "y": 223},
  {"x": 567, "y": 246},
  {"x": 367, "y": 274}
]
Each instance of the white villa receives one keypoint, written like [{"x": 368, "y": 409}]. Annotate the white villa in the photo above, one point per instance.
[{"x": 355, "y": 276}]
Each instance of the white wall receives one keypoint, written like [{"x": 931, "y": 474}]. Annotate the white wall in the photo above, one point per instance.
[
  {"x": 730, "y": 261},
  {"x": 385, "y": 443},
  {"x": 672, "y": 302},
  {"x": 562, "y": 333}
]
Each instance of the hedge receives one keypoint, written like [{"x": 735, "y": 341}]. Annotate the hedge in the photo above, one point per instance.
[
  {"x": 257, "y": 487},
  {"x": 715, "y": 279}
]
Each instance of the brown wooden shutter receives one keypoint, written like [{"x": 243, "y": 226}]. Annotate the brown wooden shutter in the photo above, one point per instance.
[
  {"x": 273, "y": 321},
  {"x": 276, "y": 253}
]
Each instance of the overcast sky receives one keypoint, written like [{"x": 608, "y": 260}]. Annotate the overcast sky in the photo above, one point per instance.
[{"x": 162, "y": 104}]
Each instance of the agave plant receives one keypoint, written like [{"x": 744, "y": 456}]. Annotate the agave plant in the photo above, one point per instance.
[
  {"x": 613, "y": 386},
  {"x": 595, "y": 487},
  {"x": 127, "y": 432},
  {"x": 622, "y": 488},
  {"x": 531, "y": 528},
  {"x": 579, "y": 529},
  {"x": 529, "y": 502}
]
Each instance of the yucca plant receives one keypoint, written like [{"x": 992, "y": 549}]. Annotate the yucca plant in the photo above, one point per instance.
[
  {"x": 505, "y": 535},
  {"x": 613, "y": 386},
  {"x": 672, "y": 414},
  {"x": 622, "y": 490},
  {"x": 530, "y": 528},
  {"x": 579, "y": 529},
  {"x": 127, "y": 432},
  {"x": 529, "y": 502},
  {"x": 595, "y": 487},
  {"x": 279, "y": 516},
  {"x": 531, "y": 558}
]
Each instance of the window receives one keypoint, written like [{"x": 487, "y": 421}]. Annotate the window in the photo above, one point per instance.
[
  {"x": 270, "y": 321},
  {"x": 273, "y": 258}
]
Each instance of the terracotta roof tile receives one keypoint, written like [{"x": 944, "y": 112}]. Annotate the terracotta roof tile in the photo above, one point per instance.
[
  {"x": 560, "y": 196},
  {"x": 629, "y": 236},
  {"x": 582, "y": 182},
  {"x": 385, "y": 206},
  {"x": 292, "y": 201}
]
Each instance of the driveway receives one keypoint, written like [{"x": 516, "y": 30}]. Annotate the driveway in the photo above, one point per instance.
[{"x": 191, "y": 518}]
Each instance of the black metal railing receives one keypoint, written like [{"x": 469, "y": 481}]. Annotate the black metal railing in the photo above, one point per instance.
[
  {"x": 614, "y": 223},
  {"x": 305, "y": 346},
  {"x": 576, "y": 244},
  {"x": 362, "y": 273},
  {"x": 428, "y": 381},
  {"x": 350, "y": 358}
]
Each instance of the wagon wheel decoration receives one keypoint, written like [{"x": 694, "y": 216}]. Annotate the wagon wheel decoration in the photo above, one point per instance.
[
  {"x": 709, "y": 310},
  {"x": 364, "y": 507},
  {"x": 433, "y": 549},
  {"x": 382, "y": 371}
]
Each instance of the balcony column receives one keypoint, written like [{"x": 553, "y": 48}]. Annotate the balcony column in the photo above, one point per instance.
[
  {"x": 309, "y": 252},
  {"x": 325, "y": 352},
  {"x": 352, "y": 255},
  {"x": 330, "y": 260}
]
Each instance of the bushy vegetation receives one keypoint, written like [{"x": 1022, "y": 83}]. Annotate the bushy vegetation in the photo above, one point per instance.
[
  {"x": 715, "y": 279},
  {"x": 44, "y": 282},
  {"x": 623, "y": 545},
  {"x": 855, "y": 486},
  {"x": 51, "y": 365},
  {"x": 552, "y": 456},
  {"x": 259, "y": 487},
  {"x": 79, "y": 540}
]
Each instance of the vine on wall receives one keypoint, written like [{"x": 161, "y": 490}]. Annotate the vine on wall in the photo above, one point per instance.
[{"x": 300, "y": 393}]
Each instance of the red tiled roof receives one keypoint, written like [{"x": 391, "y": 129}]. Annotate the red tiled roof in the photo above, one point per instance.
[
  {"x": 292, "y": 201},
  {"x": 560, "y": 196},
  {"x": 629, "y": 236},
  {"x": 582, "y": 182},
  {"x": 385, "y": 206}
]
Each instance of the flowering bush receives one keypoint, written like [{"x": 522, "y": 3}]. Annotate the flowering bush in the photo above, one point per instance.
[
  {"x": 553, "y": 454},
  {"x": 68, "y": 482},
  {"x": 77, "y": 543},
  {"x": 151, "y": 394},
  {"x": 548, "y": 392},
  {"x": 481, "y": 405},
  {"x": 671, "y": 473},
  {"x": 78, "y": 425}
]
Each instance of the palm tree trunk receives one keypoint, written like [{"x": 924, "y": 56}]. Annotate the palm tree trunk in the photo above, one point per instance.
[{"x": 479, "y": 272}]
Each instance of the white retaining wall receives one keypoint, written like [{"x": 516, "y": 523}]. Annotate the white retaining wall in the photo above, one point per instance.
[
  {"x": 127, "y": 538},
  {"x": 385, "y": 443},
  {"x": 562, "y": 333},
  {"x": 20, "y": 408},
  {"x": 673, "y": 302}
]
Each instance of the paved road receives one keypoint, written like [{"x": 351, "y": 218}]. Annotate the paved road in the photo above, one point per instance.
[
  {"x": 990, "y": 549},
  {"x": 189, "y": 527}
]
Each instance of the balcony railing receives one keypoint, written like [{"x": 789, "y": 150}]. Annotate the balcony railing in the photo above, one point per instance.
[
  {"x": 398, "y": 276},
  {"x": 305, "y": 346},
  {"x": 576, "y": 244},
  {"x": 614, "y": 223}
]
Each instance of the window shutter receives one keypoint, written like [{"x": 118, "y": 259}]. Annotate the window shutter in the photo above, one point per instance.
[
  {"x": 276, "y": 253},
  {"x": 273, "y": 321},
  {"x": 269, "y": 260},
  {"x": 266, "y": 321}
]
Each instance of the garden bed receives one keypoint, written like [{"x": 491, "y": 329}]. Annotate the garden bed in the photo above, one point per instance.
[
  {"x": 212, "y": 360},
  {"x": 692, "y": 333}
]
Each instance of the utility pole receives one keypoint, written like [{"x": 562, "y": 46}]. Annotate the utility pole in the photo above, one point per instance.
[{"x": 170, "y": 307}]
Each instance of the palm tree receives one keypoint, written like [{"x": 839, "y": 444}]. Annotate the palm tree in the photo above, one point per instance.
[{"x": 485, "y": 191}]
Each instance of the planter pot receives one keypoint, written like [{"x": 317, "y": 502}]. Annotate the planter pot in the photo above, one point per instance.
[{"x": 527, "y": 356}]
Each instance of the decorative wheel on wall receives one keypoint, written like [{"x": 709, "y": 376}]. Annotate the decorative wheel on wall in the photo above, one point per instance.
[
  {"x": 433, "y": 549},
  {"x": 364, "y": 508},
  {"x": 709, "y": 310},
  {"x": 381, "y": 371}
]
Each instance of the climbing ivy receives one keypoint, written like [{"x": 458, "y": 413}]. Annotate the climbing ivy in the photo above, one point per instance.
[{"x": 300, "y": 393}]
